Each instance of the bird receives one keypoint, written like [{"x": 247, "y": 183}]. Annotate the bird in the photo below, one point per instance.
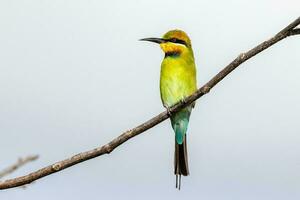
[{"x": 177, "y": 81}]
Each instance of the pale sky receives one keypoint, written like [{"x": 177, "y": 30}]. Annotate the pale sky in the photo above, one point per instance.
[{"x": 73, "y": 76}]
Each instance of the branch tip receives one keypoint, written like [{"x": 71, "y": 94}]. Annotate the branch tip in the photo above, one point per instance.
[{"x": 20, "y": 162}]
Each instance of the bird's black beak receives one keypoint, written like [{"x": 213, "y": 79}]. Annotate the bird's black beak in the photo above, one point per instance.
[{"x": 156, "y": 40}]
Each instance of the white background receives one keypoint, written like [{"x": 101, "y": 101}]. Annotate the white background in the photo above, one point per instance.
[{"x": 73, "y": 76}]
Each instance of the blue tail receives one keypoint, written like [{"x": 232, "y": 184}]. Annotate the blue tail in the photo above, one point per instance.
[
  {"x": 180, "y": 128},
  {"x": 180, "y": 123}
]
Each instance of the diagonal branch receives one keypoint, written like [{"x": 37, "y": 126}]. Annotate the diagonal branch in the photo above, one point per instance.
[
  {"x": 18, "y": 164},
  {"x": 108, "y": 148},
  {"x": 295, "y": 31}
]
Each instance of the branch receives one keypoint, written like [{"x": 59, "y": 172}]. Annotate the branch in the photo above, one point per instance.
[
  {"x": 108, "y": 148},
  {"x": 295, "y": 31},
  {"x": 18, "y": 164}
]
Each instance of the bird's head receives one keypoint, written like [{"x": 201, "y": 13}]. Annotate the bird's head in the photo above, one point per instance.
[{"x": 174, "y": 42}]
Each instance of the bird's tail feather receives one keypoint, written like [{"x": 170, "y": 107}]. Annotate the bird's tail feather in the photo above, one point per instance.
[{"x": 181, "y": 161}]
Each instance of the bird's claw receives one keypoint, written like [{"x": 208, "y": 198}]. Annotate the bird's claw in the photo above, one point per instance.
[
  {"x": 183, "y": 101},
  {"x": 168, "y": 110}
]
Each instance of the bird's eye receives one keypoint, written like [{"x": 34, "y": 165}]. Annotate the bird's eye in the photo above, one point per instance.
[
  {"x": 178, "y": 41},
  {"x": 174, "y": 40}
]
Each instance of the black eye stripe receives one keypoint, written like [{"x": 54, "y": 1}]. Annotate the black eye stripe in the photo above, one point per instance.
[{"x": 175, "y": 40}]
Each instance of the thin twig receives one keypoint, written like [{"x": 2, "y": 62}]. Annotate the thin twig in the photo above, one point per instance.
[
  {"x": 18, "y": 164},
  {"x": 108, "y": 148}
]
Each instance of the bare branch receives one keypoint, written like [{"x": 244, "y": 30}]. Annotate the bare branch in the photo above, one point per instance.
[
  {"x": 81, "y": 157},
  {"x": 295, "y": 31},
  {"x": 18, "y": 164}
]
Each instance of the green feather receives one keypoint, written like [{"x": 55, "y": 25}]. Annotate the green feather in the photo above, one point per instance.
[{"x": 180, "y": 121}]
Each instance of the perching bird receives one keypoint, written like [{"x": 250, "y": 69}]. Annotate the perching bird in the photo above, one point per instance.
[{"x": 177, "y": 81}]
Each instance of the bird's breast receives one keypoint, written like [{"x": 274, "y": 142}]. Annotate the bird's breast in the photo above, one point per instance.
[{"x": 177, "y": 80}]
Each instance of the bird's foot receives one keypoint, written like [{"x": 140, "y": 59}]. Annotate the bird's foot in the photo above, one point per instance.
[
  {"x": 183, "y": 101},
  {"x": 168, "y": 110}
]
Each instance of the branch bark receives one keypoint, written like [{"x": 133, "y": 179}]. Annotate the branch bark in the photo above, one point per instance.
[
  {"x": 109, "y": 147},
  {"x": 18, "y": 164},
  {"x": 295, "y": 31}
]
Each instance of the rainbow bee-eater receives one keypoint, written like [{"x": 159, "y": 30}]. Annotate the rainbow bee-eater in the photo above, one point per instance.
[{"x": 177, "y": 81}]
